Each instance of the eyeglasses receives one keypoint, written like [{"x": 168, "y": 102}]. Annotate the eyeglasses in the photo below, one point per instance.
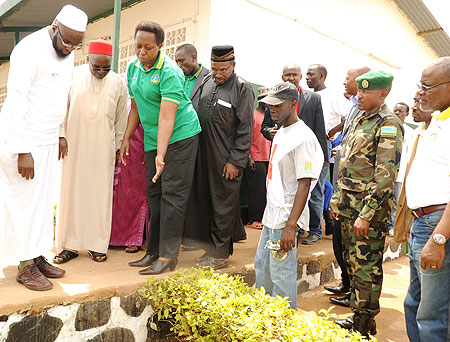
[
  {"x": 425, "y": 88},
  {"x": 67, "y": 45},
  {"x": 97, "y": 68}
]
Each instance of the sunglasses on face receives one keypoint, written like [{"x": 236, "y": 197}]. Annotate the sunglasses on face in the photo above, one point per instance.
[{"x": 98, "y": 68}]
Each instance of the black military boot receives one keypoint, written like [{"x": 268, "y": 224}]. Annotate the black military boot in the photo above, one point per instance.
[
  {"x": 365, "y": 324},
  {"x": 329, "y": 223}
]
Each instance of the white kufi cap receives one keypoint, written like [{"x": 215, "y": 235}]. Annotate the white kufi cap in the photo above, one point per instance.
[{"x": 73, "y": 18}]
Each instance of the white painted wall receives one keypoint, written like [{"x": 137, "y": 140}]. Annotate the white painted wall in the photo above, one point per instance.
[
  {"x": 266, "y": 39},
  {"x": 338, "y": 34}
]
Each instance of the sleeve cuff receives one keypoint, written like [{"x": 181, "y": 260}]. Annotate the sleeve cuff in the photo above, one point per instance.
[
  {"x": 367, "y": 213},
  {"x": 168, "y": 99}
]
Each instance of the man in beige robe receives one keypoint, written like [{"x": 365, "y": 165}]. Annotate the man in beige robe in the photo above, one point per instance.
[{"x": 91, "y": 134}]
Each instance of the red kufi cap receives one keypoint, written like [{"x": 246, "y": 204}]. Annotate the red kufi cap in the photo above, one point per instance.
[{"x": 100, "y": 47}]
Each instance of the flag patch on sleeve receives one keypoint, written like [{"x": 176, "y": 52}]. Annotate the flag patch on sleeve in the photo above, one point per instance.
[
  {"x": 389, "y": 131},
  {"x": 308, "y": 165}
]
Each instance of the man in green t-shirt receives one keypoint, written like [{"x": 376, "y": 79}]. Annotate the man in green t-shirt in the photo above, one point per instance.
[{"x": 186, "y": 58}]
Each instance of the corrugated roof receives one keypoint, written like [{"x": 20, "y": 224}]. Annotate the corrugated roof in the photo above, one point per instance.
[
  {"x": 39, "y": 13},
  {"x": 425, "y": 25}
]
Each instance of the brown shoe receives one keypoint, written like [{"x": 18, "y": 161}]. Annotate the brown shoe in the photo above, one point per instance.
[
  {"x": 33, "y": 279},
  {"x": 48, "y": 270}
]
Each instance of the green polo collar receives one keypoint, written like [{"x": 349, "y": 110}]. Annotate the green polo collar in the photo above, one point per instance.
[
  {"x": 197, "y": 73},
  {"x": 157, "y": 66}
]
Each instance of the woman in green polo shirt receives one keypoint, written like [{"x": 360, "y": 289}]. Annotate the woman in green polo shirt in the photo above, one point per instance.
[{"x": 171, "y": 127}]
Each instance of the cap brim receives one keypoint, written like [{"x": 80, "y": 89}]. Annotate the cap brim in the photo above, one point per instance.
[{"x": 272, "y": 100}]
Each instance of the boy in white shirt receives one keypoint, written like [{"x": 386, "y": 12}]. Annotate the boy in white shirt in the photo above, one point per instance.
[{"x": 295, "y": 163}]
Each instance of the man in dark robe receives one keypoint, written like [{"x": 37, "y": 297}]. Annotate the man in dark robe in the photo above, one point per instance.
[{"x": 225, "y": 111}]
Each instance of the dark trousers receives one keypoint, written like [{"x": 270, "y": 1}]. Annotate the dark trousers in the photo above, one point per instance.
[
  {"x": 256, "y": 189},
  {"x": 169, "y": 196},
  {"x": 338, "y": 253}
]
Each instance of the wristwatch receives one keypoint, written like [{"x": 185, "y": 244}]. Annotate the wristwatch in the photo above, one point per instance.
[{"x": 439, "y": 238}]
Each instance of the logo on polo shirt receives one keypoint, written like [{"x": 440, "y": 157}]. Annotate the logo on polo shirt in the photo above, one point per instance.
[{"x": 155, "y": 79}]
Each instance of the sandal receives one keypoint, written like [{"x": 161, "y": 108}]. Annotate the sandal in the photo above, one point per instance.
[
  {"x": 255, "y": 225},
  {"x": 132, "y": 249},
  {"x": 212, "y": 262},
  {"x": 203, "y": 257},
  {"x": 64, "y": 256},
  {"x": 99, "y": 257}
]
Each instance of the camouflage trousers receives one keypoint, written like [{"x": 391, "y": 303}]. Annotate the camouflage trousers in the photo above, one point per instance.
[{"x": 364, "y": 258}]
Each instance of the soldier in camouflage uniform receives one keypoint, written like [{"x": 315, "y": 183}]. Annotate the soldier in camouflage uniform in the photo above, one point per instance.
[{"x": 364, "y": 194}]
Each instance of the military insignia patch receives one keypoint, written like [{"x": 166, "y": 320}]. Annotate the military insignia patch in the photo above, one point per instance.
[
  {"x": 155, "y": 79},
  {"x": 388, "y": 131},
  {"x": 365, "y": 84},
  {"x": 308, "y": 166}
]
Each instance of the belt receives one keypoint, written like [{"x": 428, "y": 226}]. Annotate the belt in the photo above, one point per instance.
[{"x": 419, "y": 212}]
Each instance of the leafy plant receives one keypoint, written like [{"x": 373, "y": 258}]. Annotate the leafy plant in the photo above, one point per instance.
[{"x": 208, "y": 307}]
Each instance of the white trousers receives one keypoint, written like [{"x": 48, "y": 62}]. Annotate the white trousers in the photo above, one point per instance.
[{"x": 27, "y": 206}]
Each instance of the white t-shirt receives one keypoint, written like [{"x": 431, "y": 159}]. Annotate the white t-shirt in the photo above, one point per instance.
[
  {"x": 408, "y": 140},
  {"x": 335, "y": 107},
  {"x": 303, "y": 161},
  {"x": 38, "y": 88},
  {"x": 428, "y": 181}
]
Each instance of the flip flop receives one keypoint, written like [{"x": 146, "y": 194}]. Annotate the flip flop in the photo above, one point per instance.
[
  {"x": 255, "y": 225},
  {"x": 132, "y": 249},
  {"x": 64, "y": 256},
  {"x": 98, "y": 257},
  {"x": 212, "y": 262}
]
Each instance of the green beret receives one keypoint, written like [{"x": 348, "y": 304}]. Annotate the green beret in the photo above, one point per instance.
[{"x": 375, "y": 80}]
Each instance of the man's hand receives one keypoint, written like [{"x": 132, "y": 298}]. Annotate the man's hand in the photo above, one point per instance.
[
  {"x": 25, "y": 165},
  {"x": 273, "y": 131},
  {"x": 334, "y": 150},
  {"x": 325, "y": 163},
  {"x": 334, "y": 216},
  {"x": 63, "y": 148},
  {"x": 251, "y": 165},
  {"x": 287, "y": 241},
  {"x": 124, "y": 150},
  {"x": 432, "y": 255},
  {"x": 361, "y": 227},
  {"x": 159, "y": 163},
  {"x": 331, "y": 134},
  {"x": 230, "y": 171}
]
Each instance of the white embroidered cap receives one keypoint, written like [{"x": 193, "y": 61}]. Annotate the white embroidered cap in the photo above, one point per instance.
[{"x": 73, "y": 18}]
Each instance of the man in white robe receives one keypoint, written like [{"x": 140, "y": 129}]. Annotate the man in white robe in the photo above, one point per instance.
[
  {"x": 93, "y": 131},
  {"x": 39, "y": 80}
]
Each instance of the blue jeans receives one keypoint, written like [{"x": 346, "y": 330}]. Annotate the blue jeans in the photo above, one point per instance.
[
  {"x": 278, "y": 277},
  {"x": 316, "y": 204},
  {"x": 428, "y": 298}
]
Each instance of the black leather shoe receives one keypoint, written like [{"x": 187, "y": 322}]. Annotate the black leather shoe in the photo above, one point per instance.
[
  {"x": 160, "y": 266},
  {"x": 341, "y": 289},
  {"x": 365, "y": 324},
  {"x": 146, "y": 261},
  {"x": 341, "y": 301},
  {"x": 311, "y": 239}
]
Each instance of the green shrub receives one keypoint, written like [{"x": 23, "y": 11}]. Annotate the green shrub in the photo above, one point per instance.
[{"x": 209, "y": 307}]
